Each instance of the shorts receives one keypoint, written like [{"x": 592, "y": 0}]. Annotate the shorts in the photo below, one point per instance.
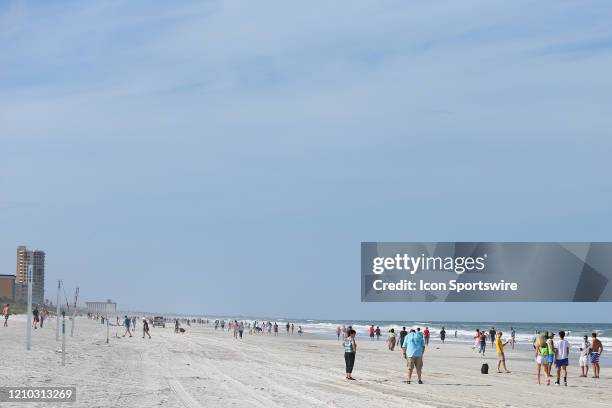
[
  {"x": 551, "y": 359},
  {"x": 563, "y": 362},
  {"x": 595, "y": 357},
  {"x": 415, "y": 362},
  {"x": 501, "y": 357},
  {"x": 584, "y": 361},
  {"x": 540, "y": 359}
]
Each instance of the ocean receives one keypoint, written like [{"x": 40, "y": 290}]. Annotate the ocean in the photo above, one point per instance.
[{"x": 466, "y": 330}]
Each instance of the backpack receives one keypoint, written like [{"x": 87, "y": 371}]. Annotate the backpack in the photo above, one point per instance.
[{"x": 484, "y": 369}]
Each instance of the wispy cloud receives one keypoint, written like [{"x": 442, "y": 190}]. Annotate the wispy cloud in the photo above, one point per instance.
[
  {"x": 591, "y": 47},
  {"x": 301, "y": 61}
]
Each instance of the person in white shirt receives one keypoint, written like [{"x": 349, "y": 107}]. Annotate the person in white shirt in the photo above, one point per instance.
[
  {"x": 562, "y": 357},
  {"x": 585, "y": 356}
]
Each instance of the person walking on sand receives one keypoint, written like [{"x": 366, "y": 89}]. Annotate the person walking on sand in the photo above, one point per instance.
[
  {"x": 240, "y": 329},
  {"x": 372, "y": 332},
  {"x": 35, "y": 313},
  {"x": 391, "y": 340},
  {"x": 482, "y": 342},
  {"x": 426, "y": 334},
  {"x": 377, "y": 332},
  {"x": 6, "y": 311},
  {"x": 338, "y": 331},
  {"x": 350, "y": 349},
  {"x": 513, "y": 336},
  {"x": 127, "y": 322},
  {"x": 541, "y": 354},
  {"x": 145, "y": 328},
  {"x": 501, "y": 357},
  {"x": 442, "y": 334},
  {"x": 292, "y": 329},
  {"x": 288, "y": 326},
  {"x": 492, "y": 335},
  {"x": 275, "y": 329},
  {"x": 596, "y": 350},
  {"x": 562, "y": 358},
  {"x": 585, "y": 356},
  {"x": 412, "y": 350},
  {"x": 402, "y": 335}
]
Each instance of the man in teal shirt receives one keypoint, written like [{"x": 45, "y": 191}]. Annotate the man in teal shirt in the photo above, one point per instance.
[{"x": 413, "y": 349}]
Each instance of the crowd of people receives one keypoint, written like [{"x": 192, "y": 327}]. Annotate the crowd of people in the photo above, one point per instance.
[
  {"x": 412, "y": 345},
  {"x": 238, "y": 328},
  {"x": 39, "y": 315},
  {"x": 414, "y": 342},
  {"x": 255, "y": 327},
  {"x": 482, "y": 337},
  {"x": 549, "y": 352},
  {"x": 129, "y": 323}
]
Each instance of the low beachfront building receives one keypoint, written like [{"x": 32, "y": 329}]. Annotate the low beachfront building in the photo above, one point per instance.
[{"x": 101, "y": 307}]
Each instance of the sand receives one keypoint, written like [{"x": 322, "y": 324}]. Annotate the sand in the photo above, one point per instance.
[{"x": 208, "y": 368}]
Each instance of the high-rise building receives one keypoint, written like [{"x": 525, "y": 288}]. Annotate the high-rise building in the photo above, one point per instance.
[{"x": 24, "y": 258}]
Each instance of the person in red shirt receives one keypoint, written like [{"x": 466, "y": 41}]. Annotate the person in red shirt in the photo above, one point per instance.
[
  {"x": 426, "y": 334},
  {"x": 372, "y": 332}
]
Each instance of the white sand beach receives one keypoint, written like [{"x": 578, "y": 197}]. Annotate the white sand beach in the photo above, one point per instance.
[{"x": 208, "y": 368}]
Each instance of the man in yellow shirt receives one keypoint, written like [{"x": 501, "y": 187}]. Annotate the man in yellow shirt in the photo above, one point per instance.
[{"x": 499, "y": 348}]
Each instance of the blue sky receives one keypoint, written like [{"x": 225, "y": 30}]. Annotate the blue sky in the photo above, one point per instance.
[{"x": 229, "y": 157}]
